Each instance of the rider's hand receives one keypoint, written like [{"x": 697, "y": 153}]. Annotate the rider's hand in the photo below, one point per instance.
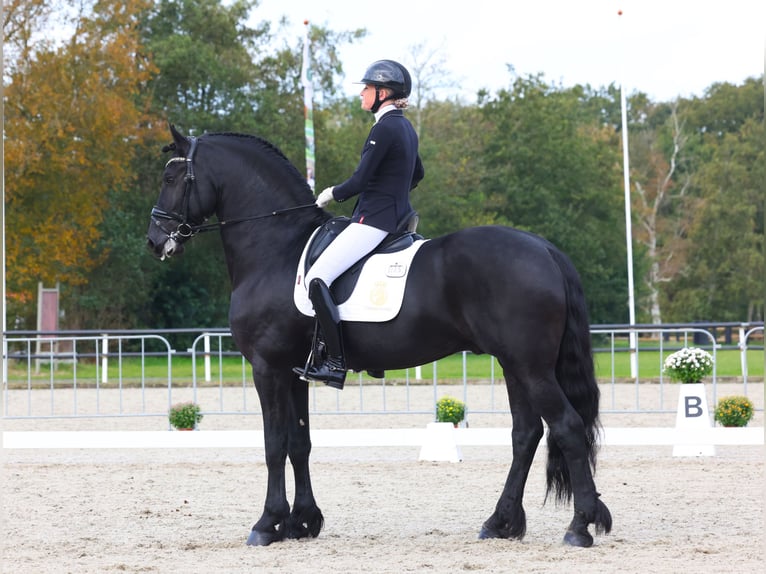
[{"x": 325, "y": 197}]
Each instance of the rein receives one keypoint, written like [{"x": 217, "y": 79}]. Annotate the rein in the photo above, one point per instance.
[
  {"x": 185, "y": 230},
  {"x": 219, "y": 224}
]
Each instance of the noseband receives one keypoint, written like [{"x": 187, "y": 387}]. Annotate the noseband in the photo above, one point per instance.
[{"x": 185, "y": 229}]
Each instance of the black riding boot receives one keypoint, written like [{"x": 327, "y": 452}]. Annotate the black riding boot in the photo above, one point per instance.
[{"x": 332, "y": 371}]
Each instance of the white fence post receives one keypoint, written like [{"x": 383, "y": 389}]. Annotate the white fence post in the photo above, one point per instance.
[
  {"x": 743, "y": 352},
  {"x": 206, "y": 346},
  {"x": 104, "y": 358}
]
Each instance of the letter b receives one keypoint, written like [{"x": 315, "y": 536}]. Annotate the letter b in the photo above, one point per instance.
[{"x": 692, "y": 408}]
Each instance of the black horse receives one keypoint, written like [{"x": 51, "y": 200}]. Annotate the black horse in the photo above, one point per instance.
[{"x": 493, "y": 290}]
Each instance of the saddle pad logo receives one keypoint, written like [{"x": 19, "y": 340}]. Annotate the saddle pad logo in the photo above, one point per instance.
[{"x": 379, "y": 292}]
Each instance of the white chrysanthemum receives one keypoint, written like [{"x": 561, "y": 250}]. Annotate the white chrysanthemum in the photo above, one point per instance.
[{"x": 688, "y": 365}]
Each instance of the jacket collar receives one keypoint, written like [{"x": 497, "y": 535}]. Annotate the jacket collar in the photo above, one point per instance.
[{"x": 384, "y": 110}]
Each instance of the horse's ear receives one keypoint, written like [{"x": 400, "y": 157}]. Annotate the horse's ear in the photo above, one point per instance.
[
  {"x": 174, "y": 132},
  {"x": 181, "y": 143}
]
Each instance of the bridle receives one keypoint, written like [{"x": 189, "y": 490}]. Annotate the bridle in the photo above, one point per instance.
[{"x": 187, "y": 229}]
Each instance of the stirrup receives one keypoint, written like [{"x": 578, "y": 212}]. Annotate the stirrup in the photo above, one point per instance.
[
  {"x": 332, "y": 373},
  {"x": 302, "y": 372}
]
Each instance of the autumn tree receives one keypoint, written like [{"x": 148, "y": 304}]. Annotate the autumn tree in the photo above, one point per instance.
[
  {"x": 73, "y": 119},
  {"x": 660, "y": 202}
]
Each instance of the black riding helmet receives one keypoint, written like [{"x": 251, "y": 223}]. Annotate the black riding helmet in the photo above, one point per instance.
[{"x": 391, "y": 75}]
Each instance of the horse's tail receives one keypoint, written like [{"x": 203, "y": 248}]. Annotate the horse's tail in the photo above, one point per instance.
[{"x": 577, "y": 378}]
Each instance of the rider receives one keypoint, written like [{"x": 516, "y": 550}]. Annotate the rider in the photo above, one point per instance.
[{"x": 389, "y": 168}]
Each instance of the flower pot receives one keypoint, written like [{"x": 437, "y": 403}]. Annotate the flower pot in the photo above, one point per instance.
[{"x": 734, "y": 411}]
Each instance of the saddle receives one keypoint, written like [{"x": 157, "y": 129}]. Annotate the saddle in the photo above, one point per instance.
[{"x": 341, "y": 289}]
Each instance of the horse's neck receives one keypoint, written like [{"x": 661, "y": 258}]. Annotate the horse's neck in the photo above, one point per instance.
[
  {"x": 265, "y": 244},
  {"x": 263, "y": 250}
]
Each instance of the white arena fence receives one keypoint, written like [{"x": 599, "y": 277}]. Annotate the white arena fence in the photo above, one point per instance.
[{"x": 57, "y": 375}]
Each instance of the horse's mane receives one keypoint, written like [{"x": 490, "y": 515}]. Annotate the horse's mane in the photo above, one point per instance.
[
  {"x": 259, "y": 139},
  {"x": 269, "y": 147}
]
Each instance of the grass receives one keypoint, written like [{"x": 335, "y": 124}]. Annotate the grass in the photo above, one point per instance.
[{"x": 154, "y": 370}]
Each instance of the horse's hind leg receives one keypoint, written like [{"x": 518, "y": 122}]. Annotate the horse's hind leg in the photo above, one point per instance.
[
  {"x": 306, "y": 519},
  {"x": 509, "y": 519},
  {"x": 569, "y": 463}
]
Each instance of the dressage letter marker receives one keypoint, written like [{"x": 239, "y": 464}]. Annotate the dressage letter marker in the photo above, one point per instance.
[{"x": 692, "y": 419}]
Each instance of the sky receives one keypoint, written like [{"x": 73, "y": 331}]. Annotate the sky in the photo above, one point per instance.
[{"x": 664, "y": 48}]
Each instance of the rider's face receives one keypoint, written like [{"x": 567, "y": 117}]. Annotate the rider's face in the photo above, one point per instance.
[{"x": 368, "y": 96}]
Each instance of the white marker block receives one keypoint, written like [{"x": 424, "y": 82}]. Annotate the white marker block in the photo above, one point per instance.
[
  {"x": 692, "y": 420},
  {"x": 439, "y": 444}
]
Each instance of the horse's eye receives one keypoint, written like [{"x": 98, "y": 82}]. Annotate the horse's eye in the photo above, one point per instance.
[{"x": 169, "y": 179}]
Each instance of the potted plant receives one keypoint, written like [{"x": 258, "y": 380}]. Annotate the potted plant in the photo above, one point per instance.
[
  {"x": 450, "y": 410},
  {"x": 184, "y": 416},
  {"x": 689, "y": 365},
  {"x": 734, "y": 411}
]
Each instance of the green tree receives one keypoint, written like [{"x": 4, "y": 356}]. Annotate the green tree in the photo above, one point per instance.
[
  {"x": 723, "y": 268},
  {"x": 552, "y": 168},
  {"x": 451, "y": 145},
  {"x": 202, "y": 49},
  {"x": 723, "y": 279},
  {"x": 230, "y": 76}
]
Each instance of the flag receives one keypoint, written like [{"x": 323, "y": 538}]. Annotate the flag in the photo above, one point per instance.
[{"x": 308, "y": 107}]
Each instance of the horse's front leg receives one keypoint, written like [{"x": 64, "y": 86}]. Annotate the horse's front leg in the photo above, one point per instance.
[
  {"x": 273, "y": 393},
  {"x": 509, "y": 519},
  {"x": 306, "y": 519}
]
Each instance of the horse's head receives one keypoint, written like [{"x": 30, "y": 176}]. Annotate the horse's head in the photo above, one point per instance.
[
  {"x": 238, "y": 178},
  {"x": 179, "y": 210}
]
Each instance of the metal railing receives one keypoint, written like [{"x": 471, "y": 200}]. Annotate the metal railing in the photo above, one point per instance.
[{"x": 99, "y": 375}]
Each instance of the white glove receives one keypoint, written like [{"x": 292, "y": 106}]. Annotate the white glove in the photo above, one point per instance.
[{"x": 325, "y": 197}]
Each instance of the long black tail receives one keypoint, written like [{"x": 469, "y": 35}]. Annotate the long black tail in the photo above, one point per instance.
[{"x": 577, "y": 378}]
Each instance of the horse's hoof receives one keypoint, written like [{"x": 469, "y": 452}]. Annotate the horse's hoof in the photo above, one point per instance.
[
  {"x": 258, "y": 538},
  {"x": 514, "y": 529},
  {"x": 486, "y": 534},
  {"x": 581, "y": 539}
]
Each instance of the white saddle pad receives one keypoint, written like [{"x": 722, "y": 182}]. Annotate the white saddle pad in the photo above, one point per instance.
[{"x": 378, "y": 293}]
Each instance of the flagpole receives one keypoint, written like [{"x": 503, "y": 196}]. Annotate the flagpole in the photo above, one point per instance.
[
  {"x": 628, "y": 229},
  {"x": 308, "y": 105}
]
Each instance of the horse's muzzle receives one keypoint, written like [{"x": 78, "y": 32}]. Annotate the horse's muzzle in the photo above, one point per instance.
[{"x": 164, "y": 249}]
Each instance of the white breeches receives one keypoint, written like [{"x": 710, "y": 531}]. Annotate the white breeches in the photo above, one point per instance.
[{"x": 353, "y": 243}]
